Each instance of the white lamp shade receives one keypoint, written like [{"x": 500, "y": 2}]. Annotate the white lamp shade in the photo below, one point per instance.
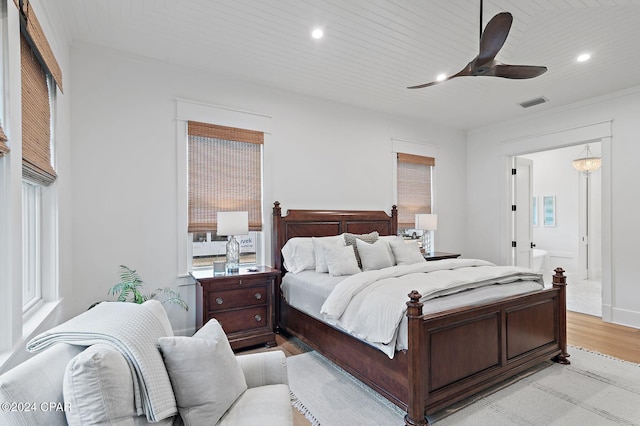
[
  {"x": 233, "y": 223},
  {"x": 427, "y": 222}
]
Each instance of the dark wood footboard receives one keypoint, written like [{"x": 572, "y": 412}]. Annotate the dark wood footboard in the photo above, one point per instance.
[{"x": 455, "y": 354}]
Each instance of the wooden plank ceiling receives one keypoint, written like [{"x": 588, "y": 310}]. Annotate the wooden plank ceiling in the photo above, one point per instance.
[{"x": 372, "y": 50}]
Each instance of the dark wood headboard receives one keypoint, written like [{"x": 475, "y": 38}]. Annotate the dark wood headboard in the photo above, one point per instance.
[{"x": 323, "y": 223}]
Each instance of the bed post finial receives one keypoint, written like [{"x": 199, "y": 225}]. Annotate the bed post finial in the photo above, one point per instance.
[
  {"x": 277, "y": 242},
  {"x": 417, "y": 364},
  {"x": 394, "y": 220},
  {"x": 560, "y": 282}
]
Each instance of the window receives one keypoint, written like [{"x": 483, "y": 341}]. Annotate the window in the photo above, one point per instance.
[
  {"x": 4, "y": 149},
  {"x": 40, "y": 76},
  {"x": 31, "y": 248},
  {"x": 225, "y": 174},
  {"x": 414, "y": 192}
]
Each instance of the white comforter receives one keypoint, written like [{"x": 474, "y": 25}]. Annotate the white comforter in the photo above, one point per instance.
[{"x": 371, "y": 304}]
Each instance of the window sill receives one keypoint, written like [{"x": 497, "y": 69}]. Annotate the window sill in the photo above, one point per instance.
[{"x": 30, "y": 326}]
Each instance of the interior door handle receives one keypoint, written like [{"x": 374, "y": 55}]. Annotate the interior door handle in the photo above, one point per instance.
[{"x": 532, "y": 245}]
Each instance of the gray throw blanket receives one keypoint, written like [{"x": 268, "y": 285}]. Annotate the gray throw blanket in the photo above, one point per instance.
[{"x": 133, "y": 330}]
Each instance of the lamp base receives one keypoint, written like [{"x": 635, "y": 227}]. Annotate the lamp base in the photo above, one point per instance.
[
  {"x": 426, "y": 242},
  {"x": 233, "y": 256}
]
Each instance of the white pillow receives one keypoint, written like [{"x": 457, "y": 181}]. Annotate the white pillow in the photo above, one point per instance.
[
  {"x": 392, "y": 238},
  {"x": 204, "y": 373},
  {"x": 350, "y": 240},
  {"x": 298, "y": 255},
  {"x": 341, "y": 260},
  {"x": 319, "y": 245},
  {"x": 406, "y": 253},
  {"x": 98, "y": 387},
  {"x": 374, "y": 256}
]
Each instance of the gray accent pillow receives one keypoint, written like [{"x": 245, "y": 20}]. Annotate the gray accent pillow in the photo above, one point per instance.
[
  {"x": 350, "y": 240},
  {"x": 204, "y": 373}
]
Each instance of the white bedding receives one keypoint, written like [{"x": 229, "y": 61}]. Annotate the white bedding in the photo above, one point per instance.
[{"x": 340, "y": 300}]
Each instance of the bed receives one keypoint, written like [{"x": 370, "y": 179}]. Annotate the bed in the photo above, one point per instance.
[{"x": 450, "y": 354}]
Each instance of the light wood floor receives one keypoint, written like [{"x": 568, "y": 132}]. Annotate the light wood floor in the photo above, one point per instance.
[
  {"x": 589, "y": 332},
  {"x": 584, "y": 331}
]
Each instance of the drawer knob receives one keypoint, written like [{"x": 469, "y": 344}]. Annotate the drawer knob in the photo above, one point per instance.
[
  {"x": 258, "y": 296},
  {"x": 258, "y": 318},
  {"x": 219, "y": 301}
]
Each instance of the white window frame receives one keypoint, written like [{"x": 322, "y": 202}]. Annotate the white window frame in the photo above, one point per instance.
[
  {"x": 414, "y": 148},
  {"x": 31, "y": 245},
  {"x": 18, "y": 324},
  {"x": 188, "y": 110}
]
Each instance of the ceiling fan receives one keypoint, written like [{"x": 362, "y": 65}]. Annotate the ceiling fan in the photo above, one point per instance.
[{"x": 491, "y": 41}]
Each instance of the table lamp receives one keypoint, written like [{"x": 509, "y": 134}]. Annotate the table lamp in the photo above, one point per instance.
[
  {"x": 232, "y": 224},
  {"x": 427, "y": 223}
]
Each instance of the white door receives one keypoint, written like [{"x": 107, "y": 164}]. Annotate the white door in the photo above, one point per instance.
[
  {"x": 583, "y": 224},
  {"x": 522, "y": 184}
]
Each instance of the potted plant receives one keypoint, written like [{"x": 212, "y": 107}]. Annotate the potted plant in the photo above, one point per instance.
[{"x": 128, "y": 289}]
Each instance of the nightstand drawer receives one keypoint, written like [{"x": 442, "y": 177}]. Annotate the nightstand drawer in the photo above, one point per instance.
[
  {"x": 243, "y": 319},
  {"x": 242, "y": 297}
]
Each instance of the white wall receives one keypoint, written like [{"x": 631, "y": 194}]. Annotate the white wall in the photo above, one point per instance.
[
  {"x": 324, "y": 155},
  {"x": 486, "y": 189}
]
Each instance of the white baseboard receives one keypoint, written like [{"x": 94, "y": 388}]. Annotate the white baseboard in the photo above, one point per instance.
[{"x": 625, "y": 317}]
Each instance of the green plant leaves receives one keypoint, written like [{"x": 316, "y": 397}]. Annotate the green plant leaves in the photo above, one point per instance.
[{"x": 128, "y": 290}]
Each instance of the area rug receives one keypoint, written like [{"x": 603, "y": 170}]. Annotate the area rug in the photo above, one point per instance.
[{"x": 594, "y": 390}]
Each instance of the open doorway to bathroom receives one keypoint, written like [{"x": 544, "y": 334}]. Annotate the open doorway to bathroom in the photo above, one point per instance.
[{"x": 567, "y": 224}]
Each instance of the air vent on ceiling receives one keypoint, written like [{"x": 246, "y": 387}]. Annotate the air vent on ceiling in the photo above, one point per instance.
[{"x": 534, "y": 102}]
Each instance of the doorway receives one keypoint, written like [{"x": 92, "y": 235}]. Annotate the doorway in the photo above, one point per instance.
[{"x": 565, "y": 222}]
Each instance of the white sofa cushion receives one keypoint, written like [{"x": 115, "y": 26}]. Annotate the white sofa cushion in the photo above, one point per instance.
[
  {"x": 98, "y": 386},
  {"x": 265, "y": 406},
  {"x": 204, "y": 373}
]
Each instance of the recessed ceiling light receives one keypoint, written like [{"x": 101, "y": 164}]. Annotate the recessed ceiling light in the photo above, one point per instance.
[
  {"x": 441, "y": 77},
  {"x": 584, "y": 57},
  {"x": 317, "y": 33}
]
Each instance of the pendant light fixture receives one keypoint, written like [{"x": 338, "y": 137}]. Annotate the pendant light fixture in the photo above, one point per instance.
[{"x": 587, "y": 163}]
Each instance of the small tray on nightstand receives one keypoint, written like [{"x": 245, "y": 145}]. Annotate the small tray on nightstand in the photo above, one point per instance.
[{"x": 439, "y": 255}]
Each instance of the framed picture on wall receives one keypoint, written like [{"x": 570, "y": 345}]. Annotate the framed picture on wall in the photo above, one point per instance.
[
  {"x": 534, "y": 211},
  {"x": 549, "y": 210}
]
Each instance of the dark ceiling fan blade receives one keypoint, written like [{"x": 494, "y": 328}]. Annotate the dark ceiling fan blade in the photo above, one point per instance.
[
  {"x": 491, "y": 41},
  {"x": 463, "y": 72},
  {"x": 494, "y": 36},
  {"x": 518, "y": 71}
]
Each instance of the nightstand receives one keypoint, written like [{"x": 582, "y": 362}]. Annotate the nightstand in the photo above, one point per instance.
[
  {"x": 242, "y": 302},
  {"x": 439, "y": 255}
]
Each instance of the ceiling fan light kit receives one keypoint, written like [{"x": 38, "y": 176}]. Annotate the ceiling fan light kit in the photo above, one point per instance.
[{"x": 491, "y": 41}]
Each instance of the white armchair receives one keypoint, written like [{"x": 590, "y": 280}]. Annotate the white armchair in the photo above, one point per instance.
[
  {"x": 94, "y": 385},
  {"x": 267, "y": 399}
]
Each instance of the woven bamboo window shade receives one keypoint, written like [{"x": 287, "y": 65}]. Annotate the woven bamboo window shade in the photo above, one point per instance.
[
  {"x": 38, "y": 41},
  {"x": 36, "y": 119},
  {"x": 37, "y": 63},
  {"x": 414, "y": 187},
  {"x": 225, "y": 174},
  {"x": 4, "y": 149}
]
